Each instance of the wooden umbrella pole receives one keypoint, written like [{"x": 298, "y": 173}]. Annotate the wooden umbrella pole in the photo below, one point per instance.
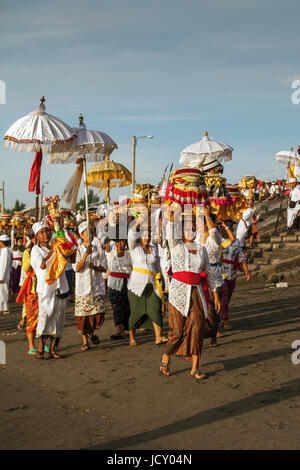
[
  {"x": 36, "y": 207},
  {"x": 87, "y": 219}
]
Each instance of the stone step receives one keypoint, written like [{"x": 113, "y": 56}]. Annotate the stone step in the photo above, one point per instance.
[
  {"x": 266, "y": 246},
  {"x": 265, "y": 238},
  {"x": 262, "y": 261},
  {"x": 277, "y": 260},
  {"x": 294, "y": 245},
  {"x": 290, "y": 238},
  {"x": 280, "y": 253},
  {"x": 276, "y": 239},
  {"x": 252, "y": 267}
]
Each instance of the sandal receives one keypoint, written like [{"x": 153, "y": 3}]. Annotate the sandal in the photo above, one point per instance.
[
  {"x": 21, "y": 326},
  {"x": 53, "y": 356},
  {"x": 84, "y": 347},
  {"x": 163, "y": 340},
  {"x": 164, "y": 366},
  {"x": 213, "y": 345},
  {"x": 117, "y": 336},
  {"x": 95, "y": 339},
  {"x": 133, "y": 342},
  {"x": 39, "y": 354},
  {"x": 198, "y": 372},
  {"x": 32, "y": 351}
]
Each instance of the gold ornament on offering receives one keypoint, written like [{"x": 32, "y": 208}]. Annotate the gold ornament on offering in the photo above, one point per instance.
[
  {"x": 250, "y": 183},
  {"x": 62, "y": 247}
]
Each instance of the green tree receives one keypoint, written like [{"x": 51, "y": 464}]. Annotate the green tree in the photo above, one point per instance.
[
  {"x": 93, "y": 200},
  {"x": 19, "y": 206}
]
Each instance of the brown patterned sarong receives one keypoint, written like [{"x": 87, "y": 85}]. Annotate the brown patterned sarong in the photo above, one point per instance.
[
  {"x": 186, "y": 334},
  {"x": 90, "y": 314},
  {"x": 87, "y": 325}
]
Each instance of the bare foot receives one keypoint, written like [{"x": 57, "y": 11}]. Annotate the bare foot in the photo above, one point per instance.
[
  {"x": 164, "y": 368},
  {"x": 197, "y": 375}
]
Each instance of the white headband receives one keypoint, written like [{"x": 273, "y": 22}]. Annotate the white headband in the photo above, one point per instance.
[
  {"x": 39, "y": 226},
  {"x": 82, "y": 227}
]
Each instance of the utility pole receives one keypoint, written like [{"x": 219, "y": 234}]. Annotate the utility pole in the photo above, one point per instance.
[
  {"x": 134, "y": 142},
  {"x": 133, "y": 163},
  {"x": 3, "y": 197}
]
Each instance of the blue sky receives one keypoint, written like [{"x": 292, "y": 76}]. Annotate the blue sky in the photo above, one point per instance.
[{"x": 166, "y": 68}]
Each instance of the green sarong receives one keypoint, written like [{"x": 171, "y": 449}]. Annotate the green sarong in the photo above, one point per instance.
[{"x": 145, "y": 309}]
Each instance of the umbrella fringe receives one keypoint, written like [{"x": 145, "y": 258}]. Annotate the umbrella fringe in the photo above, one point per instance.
[
  {"x": 71, "y": 190},
  {"x": 63, "y": 158}
]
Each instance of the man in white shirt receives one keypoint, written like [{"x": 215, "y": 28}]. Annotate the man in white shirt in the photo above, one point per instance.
[
  {"x": 244, "y": 225},
  {"x": 52, "y": 298},
  {"x": 293, "y": 211},
  {"x": 5, "y": 268}
]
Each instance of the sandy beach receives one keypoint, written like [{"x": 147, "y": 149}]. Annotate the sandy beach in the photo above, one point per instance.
[{"x": 112, "y": 397}]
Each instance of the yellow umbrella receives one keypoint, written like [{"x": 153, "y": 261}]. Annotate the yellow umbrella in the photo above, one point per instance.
[{"x": 108, "y": 174}]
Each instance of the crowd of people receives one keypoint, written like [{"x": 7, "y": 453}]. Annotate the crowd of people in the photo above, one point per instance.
[
  {"x": 267, "y": 190},
  {"x": 178, "y": 263}
]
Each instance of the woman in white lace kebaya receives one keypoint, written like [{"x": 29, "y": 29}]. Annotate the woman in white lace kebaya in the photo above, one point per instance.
[
  {"x": 213, "y": 241},
  {"x": 190, "y": 315},
  {"x": 144, "y": 289}
]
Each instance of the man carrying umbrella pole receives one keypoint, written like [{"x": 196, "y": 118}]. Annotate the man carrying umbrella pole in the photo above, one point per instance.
[
  {"x": 52, "y": 298},
  {"x": 88, "y": 221}
]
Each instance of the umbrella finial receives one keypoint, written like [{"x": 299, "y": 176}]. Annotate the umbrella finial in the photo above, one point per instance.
[
  {"x": 206, "y": 133},
  {"x": 80, "y": 119},
  {"x": 42, "y": 107}
]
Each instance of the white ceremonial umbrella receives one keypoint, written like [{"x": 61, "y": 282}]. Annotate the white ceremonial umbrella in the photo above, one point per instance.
[
  {"x": 93, "y": 146},
  {"x": 38, "y": 127},
  {"x": 205, "y": 147},
  {"x": 289, "y": 157},
  {"x": 38, "y": 132}
]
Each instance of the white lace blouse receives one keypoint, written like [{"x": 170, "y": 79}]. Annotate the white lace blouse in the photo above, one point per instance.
[
  {"x": 183, "y": 260},
  {"x": 117, "y": 264},
  {"x": 139, "y": 259},
  {"x": 212, "y": 245}
]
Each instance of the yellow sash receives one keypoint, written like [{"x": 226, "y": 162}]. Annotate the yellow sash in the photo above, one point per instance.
[{"x": 157, "y": 278}]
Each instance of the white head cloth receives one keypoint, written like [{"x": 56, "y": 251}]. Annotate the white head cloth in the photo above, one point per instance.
[
  {"x": 39, "y": 226},
  {"x": 4, "y": 238},
  {"x": 82, "y": 227}
]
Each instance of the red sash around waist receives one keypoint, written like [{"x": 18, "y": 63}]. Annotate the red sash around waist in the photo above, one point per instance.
[
  {"x": 119, "y": 275},
  {"x": 235, "y": 263},
  {"x": 194, "y": 279},
  {"x": 17, "y": 259},
  {"x": 26, "y": 287}
]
